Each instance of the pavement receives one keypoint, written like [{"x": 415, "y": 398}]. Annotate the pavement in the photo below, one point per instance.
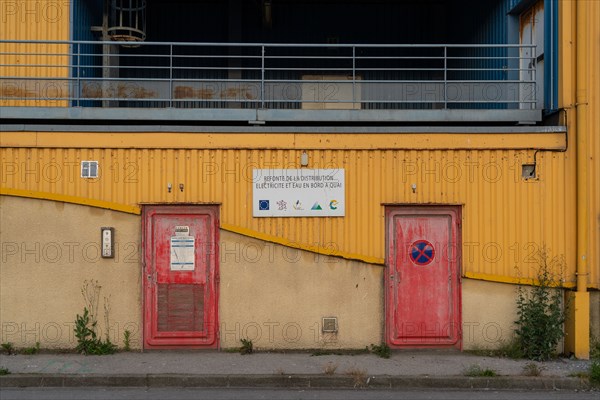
[{"x": 404, "y": 369}]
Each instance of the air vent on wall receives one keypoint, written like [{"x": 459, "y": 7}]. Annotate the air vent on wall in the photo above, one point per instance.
[{"x": 330, "y": 324}]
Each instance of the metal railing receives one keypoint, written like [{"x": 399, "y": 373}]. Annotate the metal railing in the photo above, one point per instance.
[{"x": 267, "y": 76}]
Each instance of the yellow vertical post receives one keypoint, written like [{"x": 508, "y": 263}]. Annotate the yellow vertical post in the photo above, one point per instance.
[{"x": 578, "y": 328}]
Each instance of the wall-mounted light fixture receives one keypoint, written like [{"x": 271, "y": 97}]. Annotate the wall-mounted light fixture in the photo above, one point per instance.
[
  {"x": 169, "y": 187},
  {"x": 304, "y": 159},
  {"x": 267, "y": 16}
]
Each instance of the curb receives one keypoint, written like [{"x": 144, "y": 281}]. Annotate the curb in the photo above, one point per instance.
[{"x": 293, "y": 381}]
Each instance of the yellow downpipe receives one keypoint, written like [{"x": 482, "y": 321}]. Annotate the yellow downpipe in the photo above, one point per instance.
[{"x": 581, "y": 300}]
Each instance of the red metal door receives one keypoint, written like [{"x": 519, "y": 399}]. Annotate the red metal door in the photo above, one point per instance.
[
  {"x": 180, "y": 276},
  {"x": 422, "y": 280}
]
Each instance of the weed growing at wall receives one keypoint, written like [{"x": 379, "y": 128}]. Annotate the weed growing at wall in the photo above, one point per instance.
[
  {"x": 382, "y": 350},
  {"x": 595, "y": 347},
  {"x": 595, "y": 373},
  {"x": 127, "y": 340},
  {"x": 540, "y": 311},
  {"x": 86, "y": 324},
  {"x": 8, "y": 348},
  {"x": 247, "y": 346},
  {"x": 32, "y": 350}
]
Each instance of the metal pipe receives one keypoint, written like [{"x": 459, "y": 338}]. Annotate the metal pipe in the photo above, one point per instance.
[{"x": 581, "y": 111}]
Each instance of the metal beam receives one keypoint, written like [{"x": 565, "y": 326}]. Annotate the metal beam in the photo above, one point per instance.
[{"x": 170, "y": 115}]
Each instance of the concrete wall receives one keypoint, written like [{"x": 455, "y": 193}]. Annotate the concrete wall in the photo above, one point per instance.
[
  {"x": 48, "y": 250},
  {"x": 489, "y": 312},
  {"x": 272, "y": 294},
  {"x": 276, "y": 296}
]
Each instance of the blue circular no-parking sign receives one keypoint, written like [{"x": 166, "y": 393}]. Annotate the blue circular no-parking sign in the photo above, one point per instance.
[{"x": 422, "y": 252}]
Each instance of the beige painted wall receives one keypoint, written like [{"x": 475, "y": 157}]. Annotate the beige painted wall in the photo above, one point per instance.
[
  {"x": 269, "y": 293},
  {"x": 489, "y": 311},
  {"x": 48, "y": 249},
  {"x": 277, "y": 295}
]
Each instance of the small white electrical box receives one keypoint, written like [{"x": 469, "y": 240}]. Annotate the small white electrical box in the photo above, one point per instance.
[{"x": 107, "y": 236}]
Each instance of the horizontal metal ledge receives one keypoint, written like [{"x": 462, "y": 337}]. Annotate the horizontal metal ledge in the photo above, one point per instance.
[
  {"x": 254, "y": 129},
  {"x": 266, "y": 115}
]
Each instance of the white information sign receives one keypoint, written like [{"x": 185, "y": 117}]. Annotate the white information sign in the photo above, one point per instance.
[
  {"x": 298, "y": 193},
  {"x": 182, "y": 250}
]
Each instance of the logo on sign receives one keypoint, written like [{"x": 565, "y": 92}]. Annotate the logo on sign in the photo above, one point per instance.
[
  {"x": 422, "y": 252},
  {"x": 263, "y": 205},
  {"x": 333, "y": 204},
  {"x": 316, "y": 206}
]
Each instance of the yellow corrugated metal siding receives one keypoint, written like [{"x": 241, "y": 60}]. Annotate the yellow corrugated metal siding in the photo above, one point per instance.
[
  {"x": 505, "y": 219},
  {"x": 34, "y": 20},
  {"x": 593, "y": 118}
]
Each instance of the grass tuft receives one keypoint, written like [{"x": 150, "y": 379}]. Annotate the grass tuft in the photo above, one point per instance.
[
  {"x": 329, "y": 368},
  {"x": 532, "y": 369},
  {"x": 476, "y": 370},
  {"x": 359, "y": 376}
]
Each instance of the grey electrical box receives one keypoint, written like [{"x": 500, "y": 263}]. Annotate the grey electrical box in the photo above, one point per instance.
[{"x": 528, "y": 171}]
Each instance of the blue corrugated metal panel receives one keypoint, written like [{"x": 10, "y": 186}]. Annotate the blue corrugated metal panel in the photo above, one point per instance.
[
  {"x": 85, "y": 14},
  {"x": 551, "y": 55},
  {"x": 482, "y": 22}
]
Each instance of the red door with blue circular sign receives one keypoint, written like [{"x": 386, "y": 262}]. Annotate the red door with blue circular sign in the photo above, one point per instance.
[{"x": 422, "y": 283}]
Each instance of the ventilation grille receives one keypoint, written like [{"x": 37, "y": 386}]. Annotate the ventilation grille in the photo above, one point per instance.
[
  {"x": 330, "y": 324},
  {"x": 180, "y": 307}
]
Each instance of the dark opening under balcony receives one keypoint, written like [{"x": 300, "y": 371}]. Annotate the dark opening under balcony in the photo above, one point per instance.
[{"x": 286, "y": 61}]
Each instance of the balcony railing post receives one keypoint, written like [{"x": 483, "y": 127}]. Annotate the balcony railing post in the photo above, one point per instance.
[
  {"x": 353, "y": 76},
  {"x": 262, "y": 77},
  {"x": 445, "y": 77},
  {"x": 78, "y": 73},
  {"x": 534, "y": 76},
  {"x": 171, "y": 75}
]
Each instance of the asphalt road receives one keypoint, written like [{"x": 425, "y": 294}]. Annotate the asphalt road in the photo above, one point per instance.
[{"x": 274, "y": 394}]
